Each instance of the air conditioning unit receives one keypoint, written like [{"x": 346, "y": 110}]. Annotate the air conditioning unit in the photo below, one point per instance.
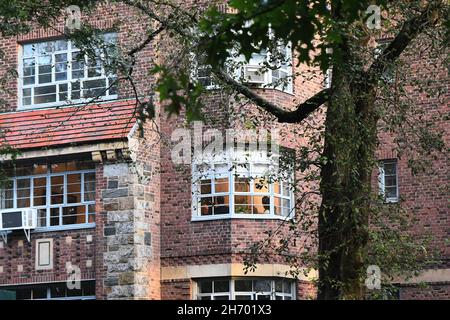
[
  {"x": 18, "y": 219},
  {"x": 253, "y": 74}
]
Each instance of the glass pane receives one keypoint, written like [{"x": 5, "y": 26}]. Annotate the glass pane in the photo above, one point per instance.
[
  {"x": 261, "y": 204},
  {"x": 54, "y": 216},
  {"x": 278, "y": 286},
  {"x": 221, "y": 286},
  {"x": 205, "y": 186},
  {"x": 74, "y": 188},
  {"x": 261, "y": 185},
  {"x": 28, "y": 50},
  {"x": 205, "y": 286},
  {"x": 58, "y": 290},
  {"x": 42, "y": 217},
  {"x": 390, "y": 168},
  {"x": 262, "y": 285},
  {"x": 243, "y": 285},
  {"x": 94, "y": 88},
  {"x": 221, "y": 205},
  {"x": 61, "y": 45},
  {"x": 40, "y": 292},
  {"x": 206, "y": 206},
  {"x": 243, "y": 297},
  {"x": 221, "y": 297},
  {"x": 390, "y": 181},
  {"x": 74, "y": 215},
  {"x": 391, "y": 192},
  {"x": 242, "y": 185},
  {"x": 57, "y": 189},
  {"x": 113, "y": 86},
  {"x": 205, "y": 298},
  {"x": 263, "y": 297},
  {"x": 221, "y": 185},
  {"x": 287, "y": 287}
]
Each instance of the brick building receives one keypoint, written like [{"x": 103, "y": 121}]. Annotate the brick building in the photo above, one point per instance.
[{"x": 104, "y": 201}]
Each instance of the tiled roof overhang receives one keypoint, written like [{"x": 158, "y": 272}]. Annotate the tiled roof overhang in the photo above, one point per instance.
[{"x": 57, "y": 127}]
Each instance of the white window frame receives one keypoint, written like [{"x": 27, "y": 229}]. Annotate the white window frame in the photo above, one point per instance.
[
  {"x": 232, "y": 293},
  {"x": 69, "y": 52},
  {"x": 59, "y": 206},
  {"x": 233, "y": 169},
  {"x": 382, "y": 177}
]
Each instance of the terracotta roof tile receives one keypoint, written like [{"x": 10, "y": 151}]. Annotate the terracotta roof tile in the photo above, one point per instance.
[{"x": 69, "y": 125}]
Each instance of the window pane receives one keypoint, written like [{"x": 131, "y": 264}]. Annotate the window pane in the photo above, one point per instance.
[
  {"x": 206, "y": 206},
  {"x": 74, "y": 215},
  {"x": 42, "y": 218},
  {"x": 74, "y": 188},
  {"x": 57, "y": 189},
  {"x": 243, "y": 297},
  {"x": 391, "y": 192},
  {"x": 94, "y": 88},
  {"x": 54, "y": 216},
  {"x": 222, "y": 297},
  {"x": 261, "y": 186},
  {"x": 221, "y": 185},
  {"x": 205, "y": 186},
  {"x": 221, "y": 205},
  {"x": 45, "y": 94},
  {"x": 389, "y": 168},
  {"x": 205, "y": 286},
  {"x": 242, "y": 185},
  {"x": 261, "y": 204},
  {"x": 390, "y": 181},
  {"x": 221, "y": 286},
  {"x": 262, "y": 286},
  {"x": 243, "y": 285}
]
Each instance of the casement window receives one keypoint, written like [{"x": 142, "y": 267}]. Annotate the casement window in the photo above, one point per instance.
[
  {"x": 63, "y": 194},
  {"x": 56, "y": 73},
  {"x": 388, "y": 180},
  {"x": 53, "y": 291},
  {"x": 226, "y": 189},
  {"x": 245, "y": 289}
]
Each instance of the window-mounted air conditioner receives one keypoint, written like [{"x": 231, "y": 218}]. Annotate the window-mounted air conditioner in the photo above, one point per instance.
[
  {"x": 18, "y": 219},
  {"x": 253, "y": 74}
]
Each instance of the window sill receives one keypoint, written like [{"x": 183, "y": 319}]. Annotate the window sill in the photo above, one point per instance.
[
  {"x": 63, "y": 104},
  {"x": 240, "y": 216},
  {"x": 64, "y": 228}
]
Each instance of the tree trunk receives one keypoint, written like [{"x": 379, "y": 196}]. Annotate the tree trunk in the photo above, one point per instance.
[{"x": 350, "y": 139}]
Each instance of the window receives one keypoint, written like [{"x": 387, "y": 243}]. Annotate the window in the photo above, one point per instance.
[
  {"x": 56, "y": 72},
  {"x": 63, "y": 194},
  {"x": 246, "y": 289},
  {"x": 54, "y": 291},
  {"x": 265, "y": 69},
  {"x": 228, "y": 188},
  {"x": 388, "y": 180}
]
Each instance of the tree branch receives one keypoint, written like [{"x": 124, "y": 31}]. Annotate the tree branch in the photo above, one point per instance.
[
  {"x": 301, "y": 111},
  {"x": 410, "y": 29}
]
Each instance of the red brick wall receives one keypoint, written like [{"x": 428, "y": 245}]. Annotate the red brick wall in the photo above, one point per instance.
[{"x": 429, "y": 292}]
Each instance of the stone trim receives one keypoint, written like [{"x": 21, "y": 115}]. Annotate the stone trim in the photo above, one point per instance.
[{"x": 229, "y": 270}]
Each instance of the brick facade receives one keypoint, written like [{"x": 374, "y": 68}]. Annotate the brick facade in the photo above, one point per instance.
[{"x": 143, "y": 222}]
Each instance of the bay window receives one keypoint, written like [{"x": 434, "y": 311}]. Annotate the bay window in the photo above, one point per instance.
[
  {"x": 63, "y": 194},
  {"x": 245, "y": 289},
  {"x": 55, "y": 72},
  {"x": 226, "y": 188}
]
